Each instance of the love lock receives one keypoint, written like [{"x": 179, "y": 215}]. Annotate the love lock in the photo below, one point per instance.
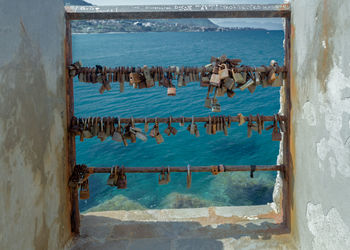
[
  {"x": 147, "y": 74},
  {"x": 239, "y": 78},
  {"x": 189, "y": 176},
  {"x": 276, "y": 134},
  {"x": 117, "y": 135},
  {"x": 112, "y": 177},
  {"x": 223, "y": 72},
  {"x": 84, "y": 190},
  {"x": 215, "y": 77},
  {"x": 229, "y": 83},
  {"x": 121, "y": 182},
  {"x": 102, "y": 134},
  {"x": 214, "y": 170},
  {"x": 162, "y": 179},
  {"x": 171, "y": 91}
]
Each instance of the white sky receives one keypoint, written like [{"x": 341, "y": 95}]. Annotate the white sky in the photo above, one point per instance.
[{"x": 139, "y": 2}]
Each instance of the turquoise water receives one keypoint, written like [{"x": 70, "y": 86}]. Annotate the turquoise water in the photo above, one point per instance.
[{"x": 138, "y": 49}]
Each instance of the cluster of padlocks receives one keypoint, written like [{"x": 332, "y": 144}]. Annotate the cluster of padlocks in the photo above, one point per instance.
[
  {"x": 123, "y": 130},
  {"x": 222, "y": 76}
]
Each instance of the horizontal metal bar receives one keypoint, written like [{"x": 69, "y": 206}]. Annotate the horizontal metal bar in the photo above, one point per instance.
[
  {"x": 178, "y": 11},
  {"x": 187, "y": 119},
  {"x": 227, "y": 168}
]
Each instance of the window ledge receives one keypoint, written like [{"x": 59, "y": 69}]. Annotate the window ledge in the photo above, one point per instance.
[{"x": 194, "y": 228}]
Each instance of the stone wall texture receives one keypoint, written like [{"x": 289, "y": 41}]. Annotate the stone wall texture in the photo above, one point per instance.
[
  {"x": 33, "y": 184},
  {"x": 320, "y": 123}
]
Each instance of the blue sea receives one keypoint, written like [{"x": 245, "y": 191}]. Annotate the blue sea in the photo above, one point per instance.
[{"x": 254, "y": 47}]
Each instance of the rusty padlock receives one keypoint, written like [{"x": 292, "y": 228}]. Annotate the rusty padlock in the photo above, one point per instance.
[
  {"x": 84, "y": 190},
  {"x": 172, "y": 91},
  {"x": 163, "y": 179},
  {"x": 189, "y": 176},
  {"x": 121, "y": 182},
  {"x": 215, "y": 77},
  {"x": 276, "y": 134},
  {"x": 223, "y": 72}
]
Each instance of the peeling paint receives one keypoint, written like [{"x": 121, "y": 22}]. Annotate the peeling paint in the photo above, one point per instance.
[
  {"x": 329, "y": 231},
  {"x": 309, "y": 113}
]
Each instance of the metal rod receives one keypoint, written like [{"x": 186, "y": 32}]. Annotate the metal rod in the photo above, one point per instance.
[
  {"x": 130, "y": 69},
  {"x": 178, "y": 11},
  {"x": 227, "y": 168},
  {"x": 188, "y": 119}
]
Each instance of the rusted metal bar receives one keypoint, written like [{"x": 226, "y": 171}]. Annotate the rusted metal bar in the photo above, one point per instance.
[
  {"x": 227, "y": 168},
  {"x": 178, "y": 11},
  {"x": 172, "y": 69},
  {"x": 74, "y": 200},
  {"x": 189, "y": 119},
  {"x": 288, "y": 172}
]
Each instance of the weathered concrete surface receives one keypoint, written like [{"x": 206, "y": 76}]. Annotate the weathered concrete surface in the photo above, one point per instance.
[
  {"x": 33, "y": 198},
  {"x": 199, "y": 228},
  {"x": 320, "y": 123}
]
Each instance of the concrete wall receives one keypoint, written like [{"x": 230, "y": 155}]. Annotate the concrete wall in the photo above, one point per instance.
[
  {"x": 320, "y": 123},
  {"x": 33, "y": 203}
]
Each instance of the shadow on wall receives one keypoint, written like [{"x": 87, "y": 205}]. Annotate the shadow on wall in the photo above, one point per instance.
[{"x": 98, "y": 232}]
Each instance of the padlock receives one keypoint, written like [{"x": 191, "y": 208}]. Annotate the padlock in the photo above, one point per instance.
[
  {"x": 281, "y": 123},
  {"x": 239, "y": 78},
  {"x": 117, "y": 135},
  {"x": 159, "y": 138},
  {"x": 135, "y": 78},
  {"x": 214, "y": 170},
  {"x": 260, "y": 128},
  {"x": 196, "y": 131},
  {"x": 102, "y": 134},
  {"x": 173, "y": 130},
  {"x": 213, "y": 128},
  {"x": 209, "y": 126},
  {"x": 86, "y": 132},
  {"x": 215, "y": 79},
  {"x": 167, "y": 131},
  {"x": 147, "y": 75},
  {"x": 271, "y": 77},
  {"x": 249, "y": 126},
  {"x": 108, "y": 127},
  {"x": 180, "y": 80},
  {"x": 209, "y": 67},
  {"x": 279, "y": 80},
  {"x": 241, "y": 119},
  {"x": 247, "y": 84},
  {"x": 146, "y": 127},
  {"x": 192, "y": 128},
  {"x": 189, "y": 176},
  {"x": 84, "y": 190},
  {"x": 229, "y": 83},
  {"x": 172, "y": 91},
  {"x": 221, "y": 168},
  {"x": 111, "y": 179},
  {"x": 204, "y": 79},
  {"x": 257, "y": 78},
  {"x": 162, "y": 179},
  {"x": 223, "y": 72},
  {"x": 216, "y": 107},
  {"x": 121, "y": 182},
  {"x": 182, "y": 122},
  {"x": 276, "y": 134},
  {"x": 186, "y": 77},
  {"x": 225, "y": 127}
]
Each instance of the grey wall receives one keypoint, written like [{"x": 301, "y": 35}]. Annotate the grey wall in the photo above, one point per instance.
[
  {"x": 320, "y": 123},
  {"x": 33, "y": 203}
]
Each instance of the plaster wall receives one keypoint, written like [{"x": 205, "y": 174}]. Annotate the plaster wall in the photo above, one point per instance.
[
  {"x": 320, "y": 135},
  {"x": 33, "y": 202}
]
